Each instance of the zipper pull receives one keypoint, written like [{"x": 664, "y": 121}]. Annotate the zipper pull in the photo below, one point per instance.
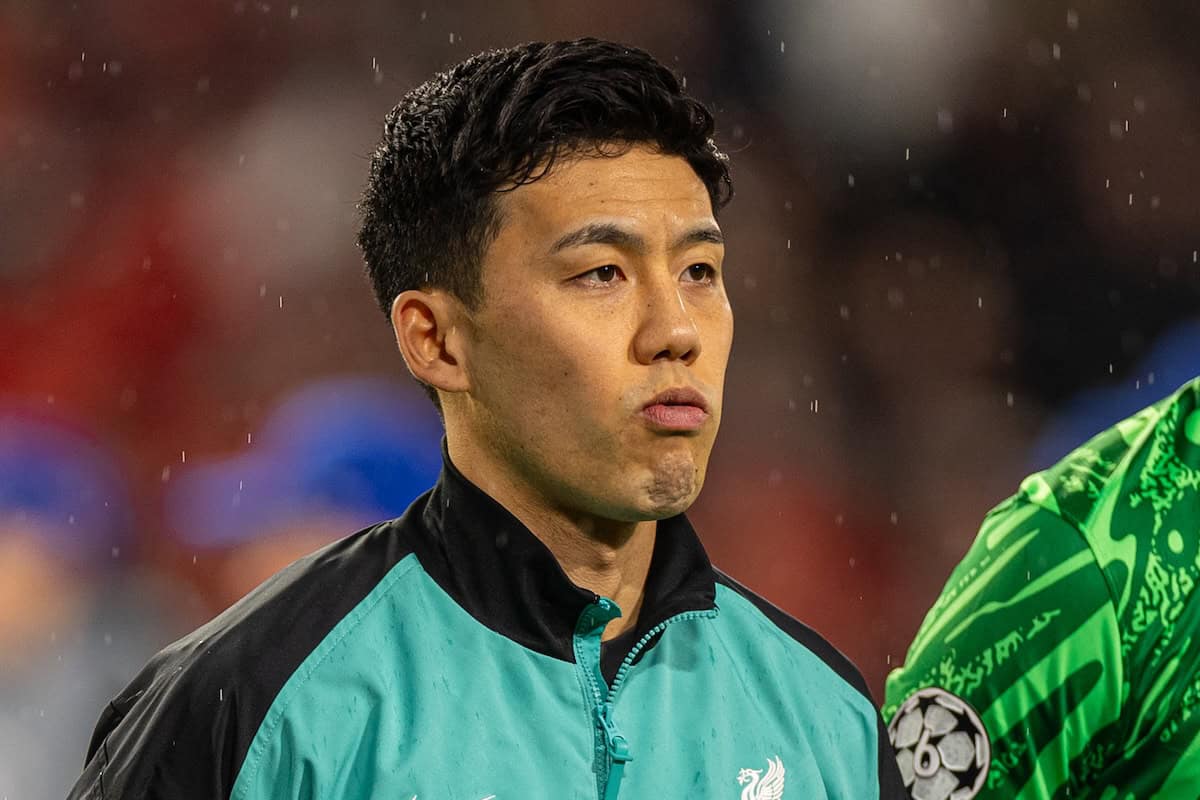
[
  {"x": 618, "y": 751},
  {"x": 618, "y": 745}
]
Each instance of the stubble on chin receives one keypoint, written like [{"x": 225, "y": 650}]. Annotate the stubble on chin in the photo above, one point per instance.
[{"x": 673, "y": 484}]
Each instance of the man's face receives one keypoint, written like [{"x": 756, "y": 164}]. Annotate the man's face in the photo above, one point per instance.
[{"x": 597, "y": 359}]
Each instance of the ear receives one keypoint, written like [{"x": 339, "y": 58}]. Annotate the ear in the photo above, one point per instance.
[{"x": 429, "y": 333}]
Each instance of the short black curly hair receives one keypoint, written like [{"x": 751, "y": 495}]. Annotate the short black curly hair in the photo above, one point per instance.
[{"x": 500, "y": 119}]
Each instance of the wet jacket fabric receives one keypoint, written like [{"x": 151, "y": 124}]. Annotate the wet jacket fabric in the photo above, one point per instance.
[{"x": 446, "y": 655}]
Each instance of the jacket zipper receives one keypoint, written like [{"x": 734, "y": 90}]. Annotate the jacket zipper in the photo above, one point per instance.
[{"x": 616, "y": 746}]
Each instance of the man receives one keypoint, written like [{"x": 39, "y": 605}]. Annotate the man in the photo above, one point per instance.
[
  {"x": 540, "y": 227},
  {"x": 1063, "y": 657}
]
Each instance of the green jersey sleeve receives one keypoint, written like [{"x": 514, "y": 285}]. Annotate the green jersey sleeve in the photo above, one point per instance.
[
  {"x": 1003, "y": 639},
  {"x": 1066, "y": 645}
]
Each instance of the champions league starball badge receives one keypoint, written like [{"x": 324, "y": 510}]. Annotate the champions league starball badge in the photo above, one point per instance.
[{"x": 941, "y": 746}]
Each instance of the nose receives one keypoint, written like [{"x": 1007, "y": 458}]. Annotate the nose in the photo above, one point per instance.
[{"x": 667, "y": 329}]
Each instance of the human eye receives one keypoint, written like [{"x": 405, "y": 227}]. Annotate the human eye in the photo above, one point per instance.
[
  {"x": 700, "y": 272},
  {"x": 600, "y": 276}
]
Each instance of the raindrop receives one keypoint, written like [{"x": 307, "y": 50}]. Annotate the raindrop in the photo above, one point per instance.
[
  {"x": 166, "y": 474},
  {"x": 850, "y": 180},
  {"x": 1072, "y": 19},
  {"x": 1009, "y": 399},
  {"x": 294, "y": 12}
]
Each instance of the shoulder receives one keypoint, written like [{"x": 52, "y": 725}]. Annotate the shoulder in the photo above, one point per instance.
[
  {"x": 784, "y": 631},
  {"x": 189, "y": 717},
  {"x": 1133, "y": 492},
  {"x": 786, "y": 658},
  {"x": 1056, "y": 607},
  {"x": 1133, "y": 461}
]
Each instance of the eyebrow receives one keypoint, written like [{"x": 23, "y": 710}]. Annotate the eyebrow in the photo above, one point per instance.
[{"x": 612, "y": 234}]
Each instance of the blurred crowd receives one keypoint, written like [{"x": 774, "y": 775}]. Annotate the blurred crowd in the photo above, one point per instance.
[{"x": 964, "y": 240}]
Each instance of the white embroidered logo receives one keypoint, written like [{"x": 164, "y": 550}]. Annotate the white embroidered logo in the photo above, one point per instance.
[{"x": 763, "y": 788}]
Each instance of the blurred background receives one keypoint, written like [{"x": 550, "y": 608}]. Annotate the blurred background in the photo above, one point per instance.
[{"x": 964, "y": 240}]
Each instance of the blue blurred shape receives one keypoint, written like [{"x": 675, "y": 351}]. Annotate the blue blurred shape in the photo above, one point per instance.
[
  {"x": 357, "y": 447},
  {"x": 1171, "y": 362},
  {"x": 59, "y": 484}
]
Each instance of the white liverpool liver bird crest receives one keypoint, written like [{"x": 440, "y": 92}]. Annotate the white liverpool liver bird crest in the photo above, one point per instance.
[{"x": 763, "y": 788}]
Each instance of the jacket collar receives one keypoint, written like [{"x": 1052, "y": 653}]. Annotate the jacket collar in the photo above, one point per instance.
[{"x": 500, "y": 573}]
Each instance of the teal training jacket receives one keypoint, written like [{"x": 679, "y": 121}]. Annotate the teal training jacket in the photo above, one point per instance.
[{"x": 445, "y": 655}]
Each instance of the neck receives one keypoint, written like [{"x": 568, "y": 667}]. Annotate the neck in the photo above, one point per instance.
[{"x": 608, "y": 557}]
